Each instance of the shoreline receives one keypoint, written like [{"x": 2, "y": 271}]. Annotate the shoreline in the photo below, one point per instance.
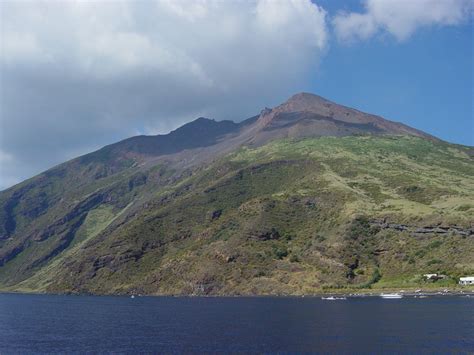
[{"x": 411, "y": 292}]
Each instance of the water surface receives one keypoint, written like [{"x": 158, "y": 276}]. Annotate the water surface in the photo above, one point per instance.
[{"x": 51, "y": 323}]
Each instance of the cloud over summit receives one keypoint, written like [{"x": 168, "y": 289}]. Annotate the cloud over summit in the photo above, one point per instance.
[{"x": 98, "y": 71}]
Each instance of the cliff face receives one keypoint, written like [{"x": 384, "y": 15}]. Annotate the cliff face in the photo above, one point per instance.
[{"x": 304, "y": 196}]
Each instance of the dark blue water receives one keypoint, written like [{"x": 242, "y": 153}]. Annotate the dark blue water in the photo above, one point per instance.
[{"x": 48, "y": 323}]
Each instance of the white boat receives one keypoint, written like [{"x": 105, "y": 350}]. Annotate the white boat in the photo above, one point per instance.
[
  {"x": 391, "y": 295},
  {"x": 332, "y": 298}
]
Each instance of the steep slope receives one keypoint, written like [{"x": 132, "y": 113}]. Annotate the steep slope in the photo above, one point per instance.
[{"x": 221, "y": 208}]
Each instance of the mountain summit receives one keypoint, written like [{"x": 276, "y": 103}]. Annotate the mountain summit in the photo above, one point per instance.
[
  {"x": 307, "y": 114},
  {"x": 304, "y": 197}
]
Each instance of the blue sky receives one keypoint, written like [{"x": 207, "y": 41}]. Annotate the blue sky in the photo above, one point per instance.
[
  {"x": 425, "y": 81},
  {"x": 78, "y": 75}
]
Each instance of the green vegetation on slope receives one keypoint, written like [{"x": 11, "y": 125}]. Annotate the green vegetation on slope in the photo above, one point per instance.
[{"x": 290, "y": 217}]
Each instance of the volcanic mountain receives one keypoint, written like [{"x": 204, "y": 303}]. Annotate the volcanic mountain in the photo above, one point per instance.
[{"x": 304, "y": 197}]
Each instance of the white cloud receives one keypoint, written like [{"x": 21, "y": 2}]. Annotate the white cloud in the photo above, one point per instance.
[
  {"x": 5, "y": 157},
  {"x": 77, "y": 74},
  {"x": 354, "y": 26},
  {"x": 190, "y": 10},
  {"x": 17, "y": 47},
  {"x": 400, "y": 18},
  {"x": 300, "y": 21}
]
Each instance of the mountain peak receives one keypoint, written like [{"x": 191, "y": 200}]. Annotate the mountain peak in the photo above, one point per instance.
[
  {"x": 305, "y": 96},
  {"x": 204, "y": 119},
  {"x": 309, "y": 114},
  {"x": 305, "y": 101},
  {"x": 298, "y": 103},
  {"x": 198, "y": 122}
]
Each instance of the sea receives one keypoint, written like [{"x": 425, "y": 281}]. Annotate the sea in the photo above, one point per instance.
[{"x": 120, "y": 324}]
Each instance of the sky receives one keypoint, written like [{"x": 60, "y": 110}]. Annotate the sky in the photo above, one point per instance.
[{"x": 77, "y": 75}]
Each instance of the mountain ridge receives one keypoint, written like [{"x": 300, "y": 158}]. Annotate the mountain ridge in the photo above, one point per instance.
[{"x": 298, "y": 103}]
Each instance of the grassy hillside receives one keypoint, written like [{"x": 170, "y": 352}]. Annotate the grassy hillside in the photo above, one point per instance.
[{"x": 290, "y": 217}]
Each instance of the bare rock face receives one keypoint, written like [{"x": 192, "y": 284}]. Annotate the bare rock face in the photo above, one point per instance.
[
  {"x": 307, "y": 114},
  {"x": 430, "y": 229},
  {"x": 271, "y": 234}
]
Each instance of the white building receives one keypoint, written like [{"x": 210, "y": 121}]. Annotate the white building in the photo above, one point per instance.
[
  {"x": 469, "y": 280},
  {"x": 434, "y": 277}
]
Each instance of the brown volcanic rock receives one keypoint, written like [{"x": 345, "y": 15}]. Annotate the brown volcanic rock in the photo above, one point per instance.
[{"x": 307, "y": 114}]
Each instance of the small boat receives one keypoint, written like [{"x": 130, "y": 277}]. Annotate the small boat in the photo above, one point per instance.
[
  {"x": 332, "y": 298},
  {"x": 391, "y": 295},
  {"x": 132, "y": 296}
]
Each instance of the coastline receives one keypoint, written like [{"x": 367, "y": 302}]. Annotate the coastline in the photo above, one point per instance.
[{"x": 352, "y": 293}]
